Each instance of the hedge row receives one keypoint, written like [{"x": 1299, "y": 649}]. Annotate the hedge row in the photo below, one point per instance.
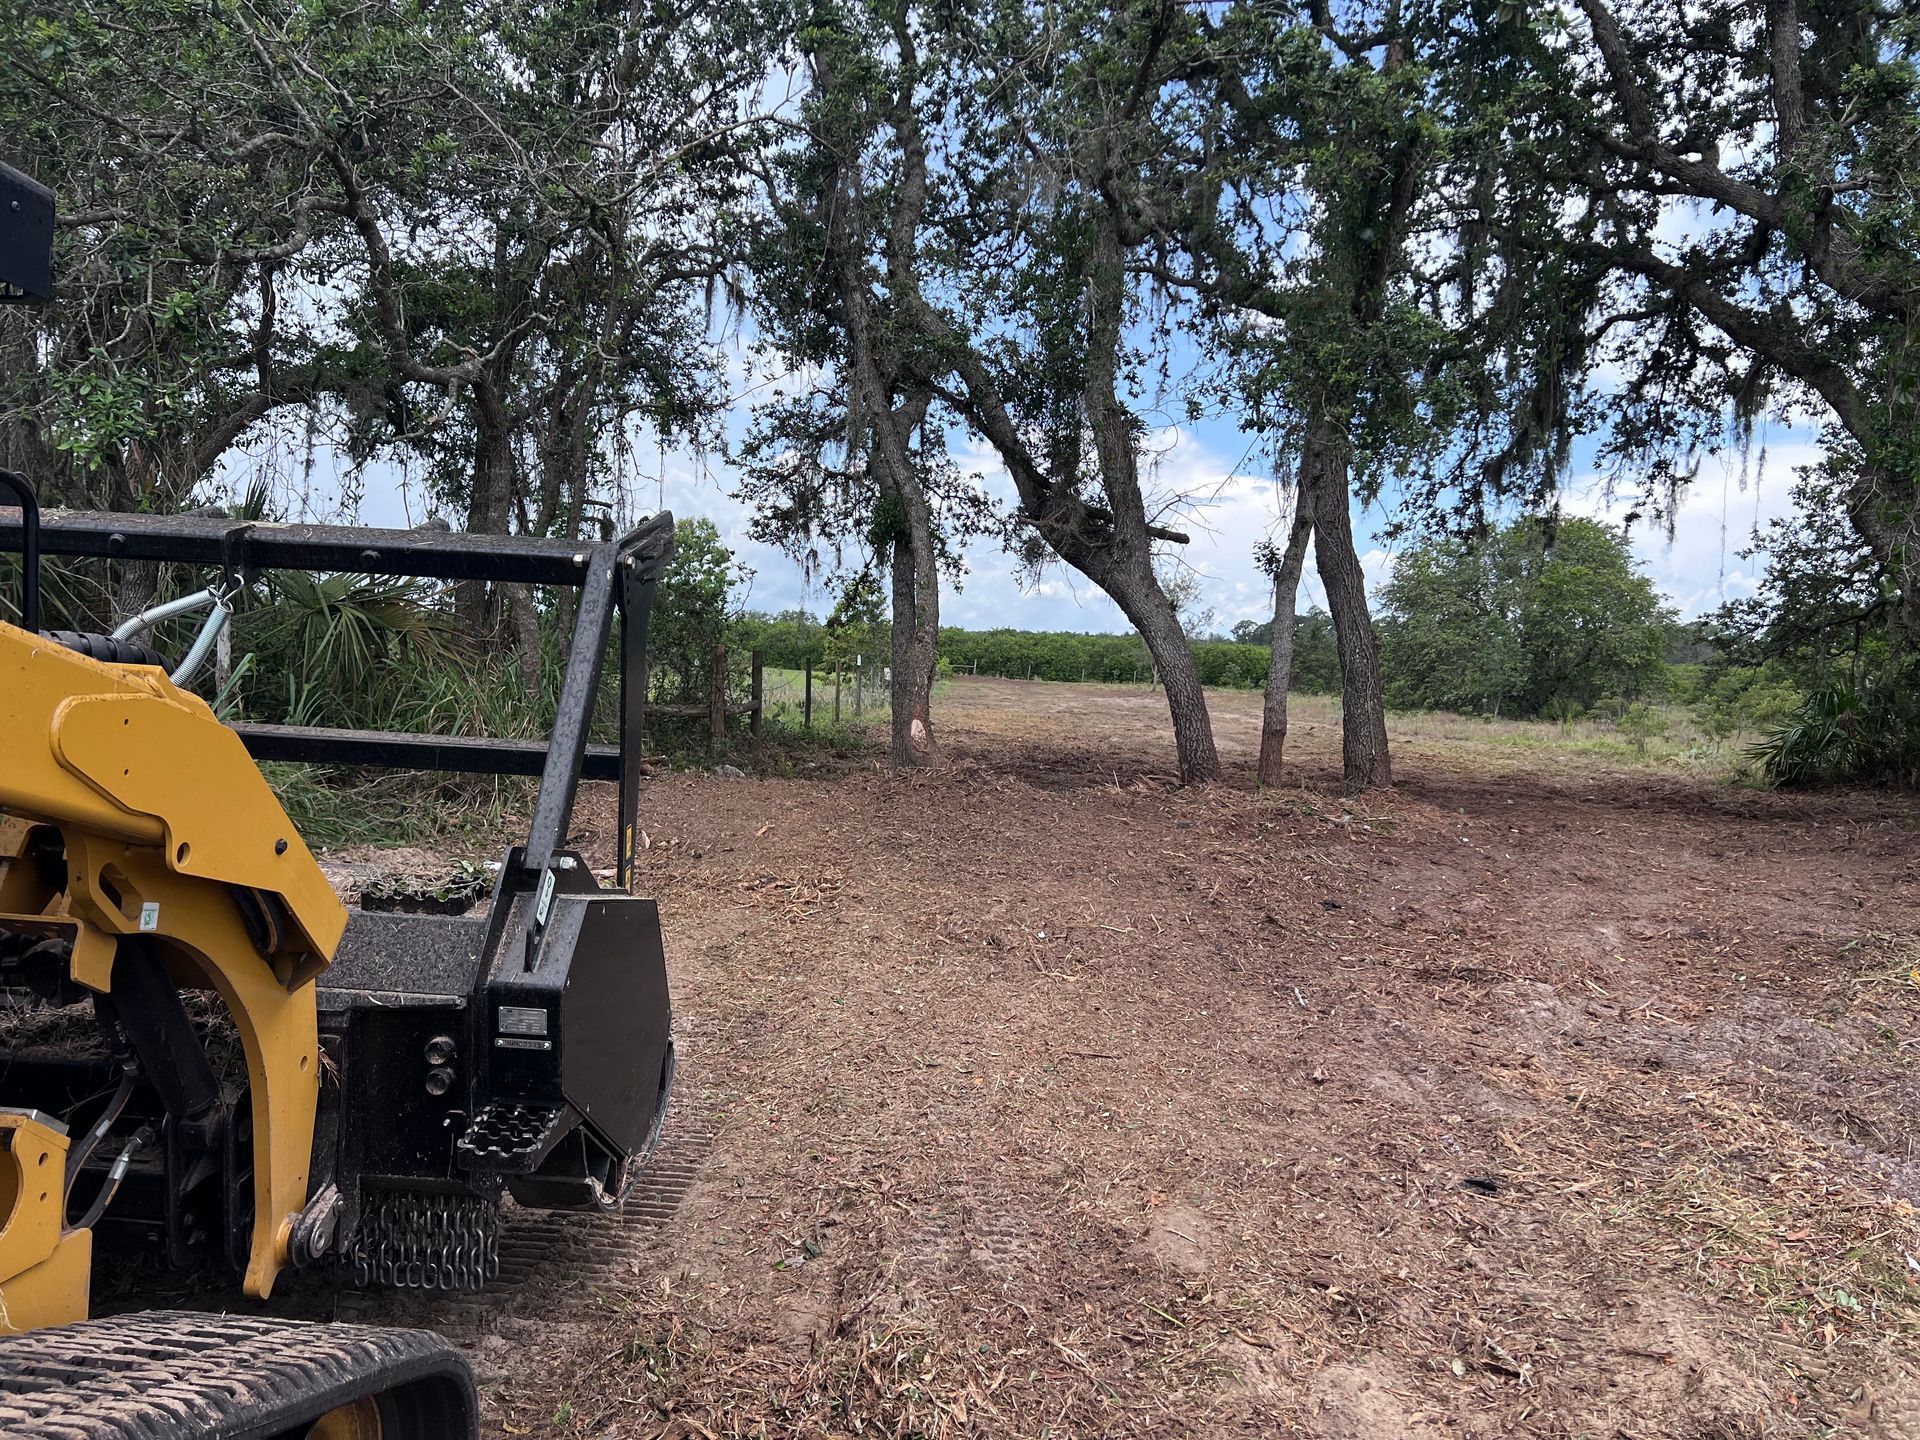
[{"x": 789, "y": 642}]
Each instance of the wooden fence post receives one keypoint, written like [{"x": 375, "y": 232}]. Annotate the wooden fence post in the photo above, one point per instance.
[
  {"x": 759, "y": 702},
  {"x": 717, "y": 707},
  {"x": 806, "y": 706},
  {"x": 836, "y": 691}
]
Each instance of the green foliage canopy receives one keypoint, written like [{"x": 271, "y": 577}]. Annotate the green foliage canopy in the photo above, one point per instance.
[
  {"x": 691, "y": 611},
  {"x": 1537, "y": 615}
]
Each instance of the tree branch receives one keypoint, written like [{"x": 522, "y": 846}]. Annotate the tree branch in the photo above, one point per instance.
[{"x": 1762, "y": 334}]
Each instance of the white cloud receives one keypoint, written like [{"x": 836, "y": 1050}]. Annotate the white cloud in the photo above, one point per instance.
[
  {"x": 1212, "y": 486},
  {"x": 1698, "y": 566}
]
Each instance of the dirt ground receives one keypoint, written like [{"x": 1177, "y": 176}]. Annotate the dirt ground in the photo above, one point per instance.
[{"x": 1037, "y": 1097}]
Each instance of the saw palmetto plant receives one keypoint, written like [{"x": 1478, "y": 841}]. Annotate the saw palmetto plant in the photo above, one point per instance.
[{"x": 1841, "y": 734}]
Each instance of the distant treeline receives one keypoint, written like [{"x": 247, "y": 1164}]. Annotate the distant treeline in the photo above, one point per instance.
[{"x": 792, "y": 640}]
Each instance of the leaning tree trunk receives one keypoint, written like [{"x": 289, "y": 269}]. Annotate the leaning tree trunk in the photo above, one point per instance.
[
  {"x": 1363, "y": 719},
  {"x": 1286, "y": 593},
  {"x": 1144, "y": 603}
]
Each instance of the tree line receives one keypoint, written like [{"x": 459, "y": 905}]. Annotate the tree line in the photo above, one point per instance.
[
  {"x": 1520, "y": 624},
  {"x": 1416, "y": 248},
  {"x": 793, "y": 640}
]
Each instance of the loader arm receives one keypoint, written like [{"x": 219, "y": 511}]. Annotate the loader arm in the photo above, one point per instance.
[
  {"x": 403, "y": 1073},
  {"x": 168, "y": 830}
]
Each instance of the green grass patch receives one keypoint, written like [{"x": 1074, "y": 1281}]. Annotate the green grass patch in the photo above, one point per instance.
[{"x": 332, "y": 806}]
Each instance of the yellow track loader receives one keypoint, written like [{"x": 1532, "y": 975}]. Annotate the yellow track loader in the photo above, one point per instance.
[{"x": 252, "y": 1078}]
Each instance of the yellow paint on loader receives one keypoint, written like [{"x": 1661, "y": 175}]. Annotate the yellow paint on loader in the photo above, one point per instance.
[
  {"x": 44, "y": 1268},
  {"x": 166, "y": 822}
]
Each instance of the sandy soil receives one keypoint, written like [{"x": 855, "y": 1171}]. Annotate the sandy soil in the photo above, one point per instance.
[{"x": 1034, "y": 1096}]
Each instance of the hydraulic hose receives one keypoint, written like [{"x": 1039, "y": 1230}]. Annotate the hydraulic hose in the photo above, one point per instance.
[
  {"x": 217, "y": 600},
  {"x": 147, "y": 619},
  {"x": 83, "y": 1152},
  {"x": 204, "y": 642},
  {"x": 121, "y": 1164}
]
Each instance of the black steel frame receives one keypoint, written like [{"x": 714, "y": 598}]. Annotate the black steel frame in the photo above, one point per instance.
[
  {"x": 26, "y": 239},
  {"x": 616, "y": 577}
]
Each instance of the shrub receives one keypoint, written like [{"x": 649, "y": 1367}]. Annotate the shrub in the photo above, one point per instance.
[
  {"x": 1563, "y": 710},
  {"x": 1840, "y": 734},
  {"x": 1640, "y": 722},
  {"x": 1734, "y": 700},
  {"x": 690, "y": 613}
]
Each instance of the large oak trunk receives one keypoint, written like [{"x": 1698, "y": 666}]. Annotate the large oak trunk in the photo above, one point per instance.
[
  {"x": 1143, "y": 602},
  {"x": 916, "y": 634},
  {"x": 1286, "y": 593},
  {"x": 1363, "y": 719}
]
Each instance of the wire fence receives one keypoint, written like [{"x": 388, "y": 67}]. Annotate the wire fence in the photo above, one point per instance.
[
  {"x": 1142, "y": 674},
  {"x": 809, "y": 698}
]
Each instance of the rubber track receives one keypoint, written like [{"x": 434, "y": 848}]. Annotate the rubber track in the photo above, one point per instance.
[{"x": 175, "y": 1375}]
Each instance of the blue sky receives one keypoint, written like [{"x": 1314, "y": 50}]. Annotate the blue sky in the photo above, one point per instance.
[{"x": 1232, "y": 504}]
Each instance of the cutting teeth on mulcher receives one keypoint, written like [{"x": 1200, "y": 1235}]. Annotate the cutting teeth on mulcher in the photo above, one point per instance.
[{"x": 415, "y": 1241}]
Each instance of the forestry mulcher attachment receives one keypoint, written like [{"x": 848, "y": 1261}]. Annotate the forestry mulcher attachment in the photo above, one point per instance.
[{"x": 391, "y": 1078}]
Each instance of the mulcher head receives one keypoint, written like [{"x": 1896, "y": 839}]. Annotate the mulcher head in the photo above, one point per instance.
[{"x": 529, "y": 1049}]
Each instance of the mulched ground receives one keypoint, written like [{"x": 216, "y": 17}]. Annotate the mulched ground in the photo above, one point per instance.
[{"x": 1537, "y": 1098}]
